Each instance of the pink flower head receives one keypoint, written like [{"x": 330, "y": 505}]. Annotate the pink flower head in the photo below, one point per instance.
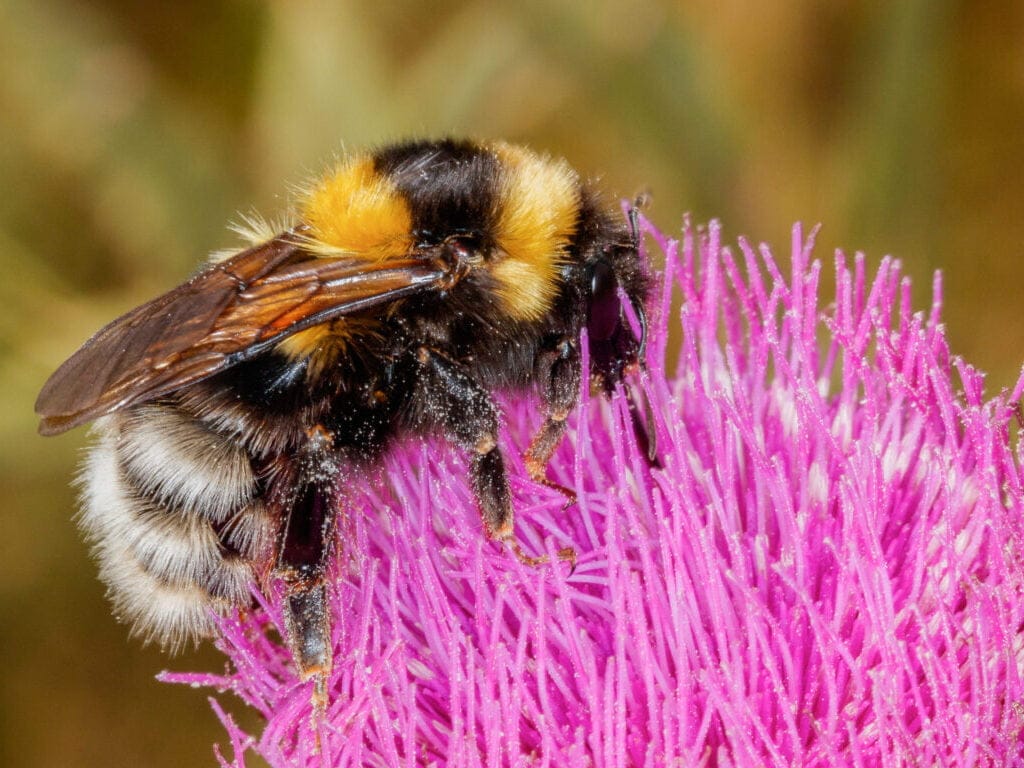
[{"x": 823, "y": 568}]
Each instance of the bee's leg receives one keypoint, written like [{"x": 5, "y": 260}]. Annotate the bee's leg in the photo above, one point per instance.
[
  {"x": 449, "y": 398},
  {"x": 303, "y": 549},
  {"x": 301, "y": 564},
  {"x": 558, "y": 371}
]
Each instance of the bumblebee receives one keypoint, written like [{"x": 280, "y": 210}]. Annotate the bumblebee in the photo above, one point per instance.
[{"x": 414, "y": 282}]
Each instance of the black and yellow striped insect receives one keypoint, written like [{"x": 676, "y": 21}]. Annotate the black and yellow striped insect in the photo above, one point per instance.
[{"x": 413, "y": 283}]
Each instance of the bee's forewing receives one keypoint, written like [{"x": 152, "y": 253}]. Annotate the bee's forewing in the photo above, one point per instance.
[{"x": 229, "y": 312}]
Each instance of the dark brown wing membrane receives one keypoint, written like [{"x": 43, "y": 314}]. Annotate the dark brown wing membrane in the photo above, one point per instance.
[{"x": 225, "y": 314}]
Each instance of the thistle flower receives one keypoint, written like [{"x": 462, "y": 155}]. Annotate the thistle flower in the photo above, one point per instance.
[{"x": 825, "y": 568}]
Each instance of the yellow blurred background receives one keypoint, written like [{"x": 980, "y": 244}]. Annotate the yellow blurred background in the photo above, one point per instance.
[{"x": 131, "y": 133}]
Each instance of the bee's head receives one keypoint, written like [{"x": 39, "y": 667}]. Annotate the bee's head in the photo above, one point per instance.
[
  {"x": 616, "y": 288},
  {"x": 614, "y": 284}
]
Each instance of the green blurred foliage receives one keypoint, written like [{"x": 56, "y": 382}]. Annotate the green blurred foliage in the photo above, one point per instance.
[{"x": 130, "y": 133}]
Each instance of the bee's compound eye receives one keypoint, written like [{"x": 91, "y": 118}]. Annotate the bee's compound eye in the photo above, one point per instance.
[{"x": 605, "y": 309}]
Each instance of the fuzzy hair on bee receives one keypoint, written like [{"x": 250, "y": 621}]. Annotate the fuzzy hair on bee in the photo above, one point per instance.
[{"x": 413, "y": 282}]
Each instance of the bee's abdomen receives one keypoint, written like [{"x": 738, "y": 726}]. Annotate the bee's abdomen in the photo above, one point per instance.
[{"x": 173, "y": 511}]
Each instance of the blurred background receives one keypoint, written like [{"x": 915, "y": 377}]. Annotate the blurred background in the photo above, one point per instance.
[{"x": 131, "y": 133}]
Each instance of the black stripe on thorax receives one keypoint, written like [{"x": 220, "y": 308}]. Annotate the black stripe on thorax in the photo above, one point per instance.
[{"x": 451, "y": 186}]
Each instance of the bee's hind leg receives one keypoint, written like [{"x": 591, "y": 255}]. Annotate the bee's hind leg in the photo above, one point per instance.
[{"x": 304, "y": 546}]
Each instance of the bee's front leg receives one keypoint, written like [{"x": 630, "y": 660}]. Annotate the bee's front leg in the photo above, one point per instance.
[{"x": 558, "y": 371}]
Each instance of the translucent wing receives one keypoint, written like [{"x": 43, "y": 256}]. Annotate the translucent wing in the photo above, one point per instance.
[{"x": 228, "y": 313}]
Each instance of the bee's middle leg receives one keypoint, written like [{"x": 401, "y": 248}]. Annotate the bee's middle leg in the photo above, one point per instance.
[{"x": 450, "y": 398}]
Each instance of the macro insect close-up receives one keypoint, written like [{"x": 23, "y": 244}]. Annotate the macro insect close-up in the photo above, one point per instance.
[
  {"x": 231, "y": 412},
  {"x": 407, "y": 435}
]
